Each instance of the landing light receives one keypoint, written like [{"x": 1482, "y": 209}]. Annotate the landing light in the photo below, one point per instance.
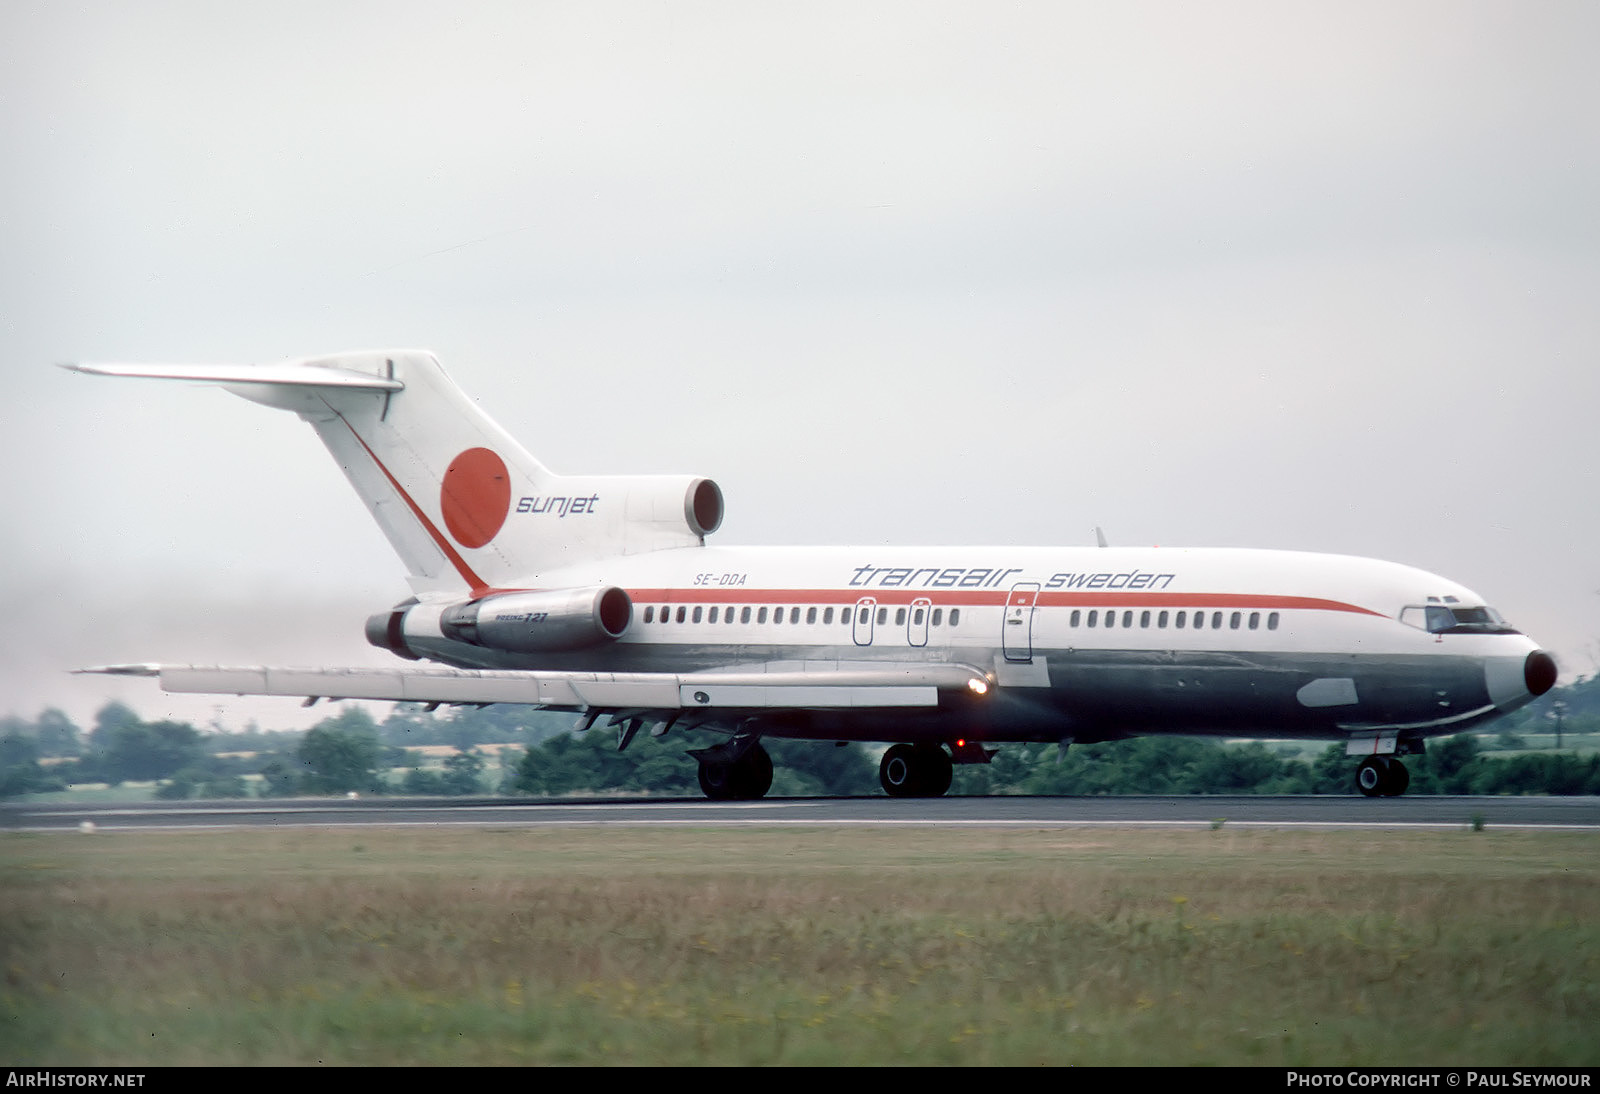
[{"x": 977, "y": 686}]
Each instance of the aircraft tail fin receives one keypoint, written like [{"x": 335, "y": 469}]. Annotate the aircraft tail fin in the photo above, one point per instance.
[{"x": 461, "y": 502}]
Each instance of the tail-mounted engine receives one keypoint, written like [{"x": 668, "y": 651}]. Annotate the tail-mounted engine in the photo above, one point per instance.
[
  {"x": 557, "y": 619},
  {"x": 519, "y": 622}
]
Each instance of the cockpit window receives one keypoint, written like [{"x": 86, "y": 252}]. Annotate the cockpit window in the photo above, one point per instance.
[
  {"x": 1484, "y": 620},
  {"x": 1458, "y": 619}
]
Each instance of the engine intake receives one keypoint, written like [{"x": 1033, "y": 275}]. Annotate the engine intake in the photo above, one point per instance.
[{"x": 702, "y": 507}]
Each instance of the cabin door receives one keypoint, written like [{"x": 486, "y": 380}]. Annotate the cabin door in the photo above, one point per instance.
[
  {"x": 865, "y": 608},
  {"x": 1016, "y": 636}
]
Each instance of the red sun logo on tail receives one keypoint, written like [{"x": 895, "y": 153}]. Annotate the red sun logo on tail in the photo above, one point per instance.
[{"x": 475, "y": 496}]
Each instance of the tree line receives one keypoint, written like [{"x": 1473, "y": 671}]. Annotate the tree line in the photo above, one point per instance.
[{"x": 514, "y": 750}]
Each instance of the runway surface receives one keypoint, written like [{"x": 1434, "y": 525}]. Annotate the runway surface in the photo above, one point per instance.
[{"x": 1286, "y": 812}]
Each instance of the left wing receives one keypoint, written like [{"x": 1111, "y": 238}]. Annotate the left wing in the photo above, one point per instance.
[{"x": 819, "y": 685}]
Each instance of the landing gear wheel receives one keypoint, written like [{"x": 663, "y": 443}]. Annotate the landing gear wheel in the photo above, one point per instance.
[
  {"x": 897, "y": 771},
  {"x": 716, "y": 781},
  {"x": 915, "y": 771},
  {"x": 937, "y": 771},
  {"x": 755, "y": 773},
  {"x": 743, "y": 779},
  {"x": 1382, "y": 776},
  {"x": 1372, "y": 776}
]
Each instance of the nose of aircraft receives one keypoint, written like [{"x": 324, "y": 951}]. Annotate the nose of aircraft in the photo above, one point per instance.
[
  {"x": 1539, "y": 672},
  {"x": 1514, "y": 681}
]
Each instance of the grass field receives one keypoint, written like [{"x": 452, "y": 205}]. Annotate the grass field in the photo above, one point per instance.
[{"x": 816, "y": 946}]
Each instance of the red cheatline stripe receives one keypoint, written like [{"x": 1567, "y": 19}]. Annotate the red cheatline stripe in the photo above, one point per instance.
[
  {"x": 479, "y": 586},
  {"x": 1201, "y": 600}
]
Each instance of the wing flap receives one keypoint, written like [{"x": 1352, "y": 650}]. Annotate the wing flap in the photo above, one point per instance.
[{"x": 820, "y": 696}]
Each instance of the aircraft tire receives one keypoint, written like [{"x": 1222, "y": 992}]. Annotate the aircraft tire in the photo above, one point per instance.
[
  {"x": 915, "y": 771},
  {"x": 1399, "y": 779},
  {"x": 744, "y": 779},
  {"x": 898, "y": 771},
  {"x": 717, "y": 781},
  {"x": 937, "y": 771},
  {"x": 755, "y": 773},
  {"x": 1373, "y": 776}
]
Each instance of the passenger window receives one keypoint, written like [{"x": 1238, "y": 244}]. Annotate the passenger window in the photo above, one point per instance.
[
  {"x": 955, "y": 616},
  {"x": 1075, "y": 614},
  {"x": 1161, "y": 620},
  {"x": 1255, "y": 620},
  {"x": 682, "y": 611},
  {"x": 1178, "y": 622},
  {"x": 794, "y": 615},
  {"x": 761, "y": 615},
  {"x": 900, "y": 617},
  {"x": 811, "y": 615},
  {"x": 883, "y": 617},
  {"x": 1111, "y": 619},
  {"x": 1127, "y": 619},
  {"x": 1144, "y": 619},
  {"x": 1233, "y": 621},
  {"x": 650, "y": 614},
  {"x": 744, "y": 616},
  {"x": 697, "y": 611},
  {"x": 827, "y": 615},
  {"x": 1272, "y": 621},
  {"x": 1216, "y": 621},
  {"x": 1093, "y": 615},
  {"x": 916, "y": 618},
  {"x": 712, "y": 618},
  {"x": 938, "y": 617}
]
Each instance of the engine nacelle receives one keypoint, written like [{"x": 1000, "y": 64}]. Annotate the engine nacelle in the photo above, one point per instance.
[
  {"x": 702, "y": 507},
  {"x": 387, "y": 631},
  {"x": 607, "y": 516},
  {"x": 531, "y": 622},
  {"x": 525, "y": 622}
]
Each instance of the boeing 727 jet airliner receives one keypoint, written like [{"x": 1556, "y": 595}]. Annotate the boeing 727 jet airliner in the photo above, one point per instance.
[{"x": 599, "y": 595}]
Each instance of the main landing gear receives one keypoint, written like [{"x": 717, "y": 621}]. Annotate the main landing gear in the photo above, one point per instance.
[
  {"x": 915, "y": 771},
  {"x": 731, "y": 774},
  {"x": 1382, "y": 777}
]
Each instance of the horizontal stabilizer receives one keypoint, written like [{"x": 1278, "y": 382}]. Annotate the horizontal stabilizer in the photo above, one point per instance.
[
  {"x": 291, "y": 374},
  {"x": 809, "y": 685}
]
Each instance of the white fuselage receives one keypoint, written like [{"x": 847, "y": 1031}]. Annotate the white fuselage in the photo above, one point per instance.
[{"x": 1082, "y": 643}]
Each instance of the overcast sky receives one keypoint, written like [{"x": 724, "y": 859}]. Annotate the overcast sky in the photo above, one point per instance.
[{"x": 1309, "y": 276}]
